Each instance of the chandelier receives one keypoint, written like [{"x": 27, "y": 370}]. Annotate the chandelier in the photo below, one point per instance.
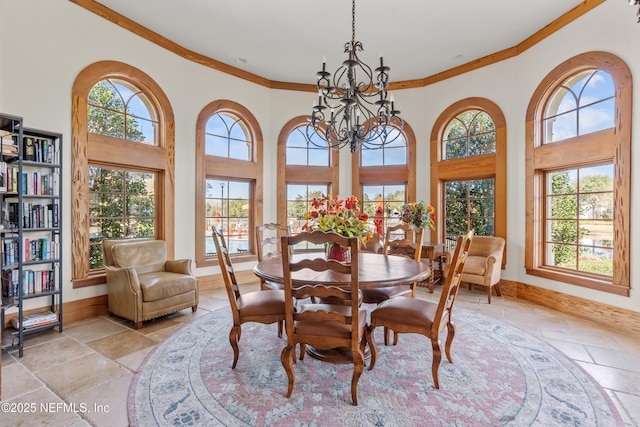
[
  {"x": 360, "y": 114},
  {"x": 636, "y": 3}
]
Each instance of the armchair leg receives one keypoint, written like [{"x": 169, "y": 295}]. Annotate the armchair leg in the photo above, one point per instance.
[
  {"x": 194, "y": 308},
  {"x": 497, "y": 286},
  {"x": 138, "y": 325},
  {"x": 489, "y": 293}
]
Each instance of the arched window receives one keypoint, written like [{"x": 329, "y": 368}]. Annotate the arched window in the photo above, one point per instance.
[
  {"x": 578, "y": 174},
  {"x": 123, "y": 151},
  {"x": 305, "y": 170},
  {"x": 228, "y": 180},
  {"x": 470, "y": 133},
  {"x": 384, "y": 178},
  {"x": 584, "y": 103},
  {"x": 120, "y": 110},
  {"x": 468, "y": 170}
]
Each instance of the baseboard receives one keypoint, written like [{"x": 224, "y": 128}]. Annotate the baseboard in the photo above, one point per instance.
[
  {"x": 73, "y": 311},
  {"x": 603, "y": 314},
  {"x": 216, "y": 281}
]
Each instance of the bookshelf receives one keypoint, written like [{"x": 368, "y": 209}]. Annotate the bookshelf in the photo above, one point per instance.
[{"x": 30, "y": 231}]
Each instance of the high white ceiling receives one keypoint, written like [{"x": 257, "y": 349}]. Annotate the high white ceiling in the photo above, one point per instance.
[{"x": 285, "y": 40}]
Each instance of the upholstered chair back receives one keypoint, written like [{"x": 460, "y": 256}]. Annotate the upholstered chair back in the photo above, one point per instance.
[{"x": 144, "y": 255}]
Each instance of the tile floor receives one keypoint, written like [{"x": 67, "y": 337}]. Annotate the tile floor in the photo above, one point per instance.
[{"x": 82, "y": 376}]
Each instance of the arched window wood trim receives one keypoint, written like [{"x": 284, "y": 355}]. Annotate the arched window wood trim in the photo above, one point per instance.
[
  {"x": 611, "y": 145},
  {"x": 222, "y": 167},
  {"x": 301, "y": 174},
  {"x": 387, "y": 174},
  {"x": 474, "y": 167},
  {"x": 115, "y": 151}
]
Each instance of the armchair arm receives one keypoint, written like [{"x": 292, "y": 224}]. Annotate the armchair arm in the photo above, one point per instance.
[
  {"x": 182, "y": 266},
  {"x": 124, "y": 293},
  {"x": 493, "y": 268}
]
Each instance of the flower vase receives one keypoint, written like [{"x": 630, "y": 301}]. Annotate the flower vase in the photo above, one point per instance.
[{"x": 338, "y": 253}]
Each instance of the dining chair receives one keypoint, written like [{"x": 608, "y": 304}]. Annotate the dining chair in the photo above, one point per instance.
[
  {"x": 268, "y": 244},
  {"x": 259, "y": 306},
  {"x": 324, "y": 326},
  {"x": 418, "y": 316},
  {"x": 403, "y": 239}
]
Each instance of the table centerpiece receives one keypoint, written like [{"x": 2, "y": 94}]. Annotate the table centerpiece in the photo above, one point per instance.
[
  {"x": 341, "y": 216},
  {"x": 419, "y": 214}
]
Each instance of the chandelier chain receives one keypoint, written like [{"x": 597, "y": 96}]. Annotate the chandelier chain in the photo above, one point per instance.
[{"x": 353, "y": 21}]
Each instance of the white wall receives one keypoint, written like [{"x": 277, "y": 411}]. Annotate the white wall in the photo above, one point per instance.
[{"x": 42, "y": 52}]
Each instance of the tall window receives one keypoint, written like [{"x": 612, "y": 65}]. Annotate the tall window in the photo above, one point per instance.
[
  {"x": 384, "y": 179},
  {"x": 468, "y": 173},
  {"x": 228, "y": 180},
  {"x": 306, "y": 169},
  {"x": 121, "y": 201},
  {"x": 123, "y": 151},
  {"x": 469, "y": 204},
  {"x": 578, "y": 174},
  {"x": 228, "y": 210}
]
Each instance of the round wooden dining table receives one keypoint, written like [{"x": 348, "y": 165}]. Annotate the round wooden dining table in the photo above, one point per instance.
[{"x": 375, "y": 271}]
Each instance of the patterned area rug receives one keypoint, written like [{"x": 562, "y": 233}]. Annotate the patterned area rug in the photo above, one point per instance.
[{"x": 501, "y": 376}]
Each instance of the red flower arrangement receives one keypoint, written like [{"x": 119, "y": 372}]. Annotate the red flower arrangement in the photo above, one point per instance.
[{"x": 341, "y": 216}]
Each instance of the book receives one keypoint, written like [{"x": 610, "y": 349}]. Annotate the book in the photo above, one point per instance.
[
  {"x": 28, "y": 148},
  {"x": 3, "y": 177},
  {"x": 35, "y": 320},
  {"x": 9, "y": 145}
]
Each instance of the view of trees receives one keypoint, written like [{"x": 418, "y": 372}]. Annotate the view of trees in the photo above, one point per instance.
[
  {"x": 580, "y": 228},
  {"x": 122, "y": 203},
  {"x": 471, "y": 133},
  {"x": 106, "y": 114},
  {"x": 298, "y": 207},
  {"x": 469, "y": 205}
]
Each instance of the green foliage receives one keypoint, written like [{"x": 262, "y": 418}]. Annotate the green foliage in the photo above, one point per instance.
[
  {"x": 597, "y": 196},
  {"x": 122, "y": 203},
  {"x": 594, "y": 264},
  {"x": 300, "y": 206},
  {"x": 106, "y": 114},
  {"x": 565, "y": 209},
  {"x": 469, "y": 205},
  {"x": 471, "y": 133}
]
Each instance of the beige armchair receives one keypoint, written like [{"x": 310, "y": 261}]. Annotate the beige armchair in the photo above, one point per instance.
[
  {"x": 484, "y": 263},
  {"x": 142, "y": 284}
]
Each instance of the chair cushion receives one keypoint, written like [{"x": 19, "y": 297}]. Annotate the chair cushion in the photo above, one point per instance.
[
  {"x": 261, "y": 302},
  {"x": 475, "y": 265},
  {"x": 377, "y": 295},
  {"x": 161, "y": 285},
  {"x": 273, "y": 285},
  {"x": 412, "y": 311},
  {"x": 146, "y": 256},
  {"x": 329, "y": 328}
]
